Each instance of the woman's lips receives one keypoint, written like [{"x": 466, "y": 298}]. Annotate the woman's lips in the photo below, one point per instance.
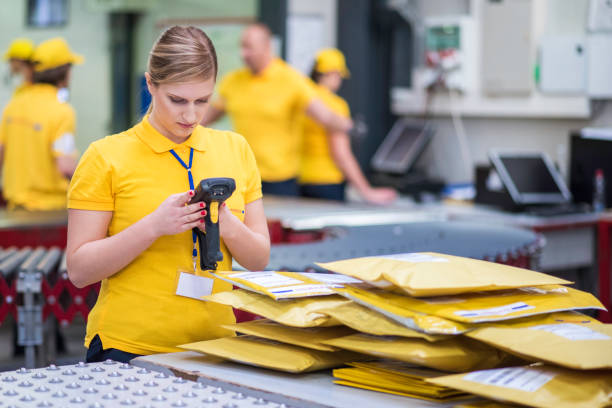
[{"x": 185, "y": 126}]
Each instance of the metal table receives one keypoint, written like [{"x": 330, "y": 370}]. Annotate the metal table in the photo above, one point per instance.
[
  {"x": 468, "y": 239},
  {"x": 311, "y": 390}
]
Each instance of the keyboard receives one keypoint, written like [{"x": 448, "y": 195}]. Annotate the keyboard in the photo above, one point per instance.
[{"x": 555, "y": 210}]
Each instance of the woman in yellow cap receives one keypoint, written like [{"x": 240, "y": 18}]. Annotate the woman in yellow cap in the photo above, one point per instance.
[
  {"x": 37, "y": 133},
  {"x": 327, "y": 158},
  {"x": 129, "y": 221},
  {"x": 19, "y": 55}
]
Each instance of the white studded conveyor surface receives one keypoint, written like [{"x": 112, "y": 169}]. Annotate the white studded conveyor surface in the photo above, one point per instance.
[{"x": 112, "y": 384}]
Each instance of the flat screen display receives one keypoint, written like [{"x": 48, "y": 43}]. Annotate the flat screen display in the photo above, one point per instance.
[
  {"x": 530, "y": 175},
  {"x": 402, "y": 147},
  {"x": 403, "y": 144},
  {"x": 588, "y": 155},
  {"x": 531, "y": 178}
]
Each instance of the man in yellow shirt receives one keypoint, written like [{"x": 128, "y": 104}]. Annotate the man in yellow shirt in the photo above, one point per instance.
[
  {"x": 37, "y": 148},
  {"x": 18, "y": 56},
  {"x": 264, "y": 101}
]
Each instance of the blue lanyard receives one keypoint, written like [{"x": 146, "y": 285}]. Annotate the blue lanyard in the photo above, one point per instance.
[{"x": 191, "y": 186}]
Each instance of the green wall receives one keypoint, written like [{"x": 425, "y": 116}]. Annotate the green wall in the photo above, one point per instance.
[{"x": 86, "y": 32}]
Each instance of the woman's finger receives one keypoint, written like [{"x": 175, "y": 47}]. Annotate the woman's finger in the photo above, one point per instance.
[
  {"x": 195, "y": 207},
  {"x": 183, "y": 198},
  {"x": 192, "y": 225},
  {"x": 193, "y": 217}
]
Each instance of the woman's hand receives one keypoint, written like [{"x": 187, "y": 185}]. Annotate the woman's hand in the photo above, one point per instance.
[
  {"x": 229, "y": 224},
  {"x": 380, "y": 195},
  {"x": 174, "y": 216}
]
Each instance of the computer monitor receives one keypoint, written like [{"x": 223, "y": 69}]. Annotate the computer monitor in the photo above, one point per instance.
[
  {"x": 402, "y": 146},
  {"x": 530, "y": 178},
  {"x": 587, "y": 154}
]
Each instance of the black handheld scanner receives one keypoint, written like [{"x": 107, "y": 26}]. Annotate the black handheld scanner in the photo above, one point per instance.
[{"x": 212, "y": 191}]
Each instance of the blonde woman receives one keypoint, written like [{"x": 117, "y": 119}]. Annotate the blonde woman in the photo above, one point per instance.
[
  {"x": 130, "y": 222},
  {"x": 327, "y": 158}
]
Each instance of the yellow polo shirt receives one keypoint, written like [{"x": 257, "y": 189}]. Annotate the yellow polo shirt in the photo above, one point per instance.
[
  {"x": 36, "y": 128},
  {"x": 265, "y": 108},
  {"x": 317, "y": 165},
  {"x": 131, "y": 174},
  {"x": 21, "y": 87}
]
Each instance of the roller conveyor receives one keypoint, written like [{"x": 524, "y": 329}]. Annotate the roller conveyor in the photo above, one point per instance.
[{"x": 112, "y": 384}]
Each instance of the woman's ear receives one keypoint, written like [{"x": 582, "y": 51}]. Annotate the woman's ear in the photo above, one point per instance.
[{"x": 150, "y": 85}]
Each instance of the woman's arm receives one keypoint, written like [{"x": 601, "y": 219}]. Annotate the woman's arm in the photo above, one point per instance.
[
  {"x": 249, "y": 242},
  {"x": 327, "y": 118},
  {"x": 92, "y": 256},
  {"x": 340, "y": 147}
]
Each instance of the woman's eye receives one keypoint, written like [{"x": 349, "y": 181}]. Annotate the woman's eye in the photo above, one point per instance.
[
  {"x": 202, "y": 101},
  {"x": 177, "y": 100}
]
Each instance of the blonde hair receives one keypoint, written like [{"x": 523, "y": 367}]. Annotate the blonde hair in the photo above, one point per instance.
[{"x": 182, "y": 54}]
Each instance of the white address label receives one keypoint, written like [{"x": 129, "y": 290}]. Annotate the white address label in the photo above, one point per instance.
[
  {"x": 518, "y": 378},
  {"x": 414, "y": 257},
  {"x": 330, "y": 277},
  {"x": 287, "y": 291},
  {"x": 266, "y": 279},
  {"x": 495, "y": 311},
  {"x": 573, "y": 332}
]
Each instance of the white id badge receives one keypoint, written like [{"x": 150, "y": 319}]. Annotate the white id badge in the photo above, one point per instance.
[{"x": 193, "y": 286}]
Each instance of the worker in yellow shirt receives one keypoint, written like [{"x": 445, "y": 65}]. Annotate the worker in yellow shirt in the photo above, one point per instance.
[
  {"x": 264, "y": 101},
  {"x": 327, "y": 159},
  {"x": 129, "y": 221},
  {"x": 37, "y": 144},
  {"x": 19, "y": 56}
]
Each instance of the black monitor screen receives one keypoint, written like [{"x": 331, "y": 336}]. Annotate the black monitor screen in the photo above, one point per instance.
[
  {"x": 588, "y": 155},
  {"x": 403, "y": 144},
  {"x": 530, "y": 175}
]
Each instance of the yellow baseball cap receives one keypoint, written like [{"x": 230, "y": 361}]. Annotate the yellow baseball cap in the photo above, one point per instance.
[
  {"x": 54, "y": 53},
  {"x": 21, "y": 49},
  {"x": 331, "y": 59}
]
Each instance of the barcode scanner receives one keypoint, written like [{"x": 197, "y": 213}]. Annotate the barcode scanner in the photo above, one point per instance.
[{"x": 212, "y": 191}]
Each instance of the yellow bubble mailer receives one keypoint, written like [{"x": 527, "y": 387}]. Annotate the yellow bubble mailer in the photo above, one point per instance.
[
  {"x": 290, "y": 312},
  {"x": 287, "y": 285},
  {"x": 433, "y": 274},
  {"x": 390, "y": 305},
  {"x": 271, "y": 354},
  {"x": 542, "y": 386},
  {"x": 308, "y": 337},
  {"x": 469, "y": 308},
  {"x": 584, "y": 347},
  {"x": 368, "y": 321},
  {"x": 396, "y": 377},
  {"x": 457, "y": 354}
]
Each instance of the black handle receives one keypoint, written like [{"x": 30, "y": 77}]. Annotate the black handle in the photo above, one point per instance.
[
  {"x": 212, "y": 191},
  {"x": 209, "y": 244}
]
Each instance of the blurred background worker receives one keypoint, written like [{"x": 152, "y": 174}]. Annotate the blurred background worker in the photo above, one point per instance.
[
  {"x": 19, "y": 56},
  {"x": 37, "y": 134},
  {"x": 327, "y": 158},
  {"x": 264, "y": 101}
]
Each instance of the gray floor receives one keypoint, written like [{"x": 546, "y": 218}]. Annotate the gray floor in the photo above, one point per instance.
[{"x": 73, "y": 340}]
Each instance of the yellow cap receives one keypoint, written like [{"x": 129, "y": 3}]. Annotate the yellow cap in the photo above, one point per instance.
[
  {"x": 20, "y": 48},
  {"x": 331, "y": 59},
  {"x": 54, "y": 53}
]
